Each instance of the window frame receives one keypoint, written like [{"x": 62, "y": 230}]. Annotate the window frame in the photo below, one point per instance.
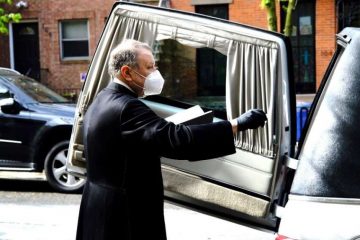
[
  {"x": 215, "y": 85},
  {"x": 301, "y": 86},
  {"x": 61, "y": 40},
  {"x": 348, "y": 14}
]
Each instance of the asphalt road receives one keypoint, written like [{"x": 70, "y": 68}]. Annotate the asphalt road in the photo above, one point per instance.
[{"x": 30, "y": 210}]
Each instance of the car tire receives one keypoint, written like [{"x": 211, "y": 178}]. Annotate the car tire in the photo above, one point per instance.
[{"x": 56, "y": 173}]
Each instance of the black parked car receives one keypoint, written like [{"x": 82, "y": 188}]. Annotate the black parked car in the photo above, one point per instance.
[{"x": 35, "y": 128}]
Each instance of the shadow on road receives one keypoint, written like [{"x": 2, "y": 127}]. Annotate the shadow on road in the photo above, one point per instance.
[
  {"x": 24, "y": 185},
  {"x": 13, "y": 181}
]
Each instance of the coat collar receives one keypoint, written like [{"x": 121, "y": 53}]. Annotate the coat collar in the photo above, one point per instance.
[{"x": 120, "y": 88}]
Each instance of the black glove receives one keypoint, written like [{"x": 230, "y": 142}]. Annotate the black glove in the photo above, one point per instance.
[{"x": 251, "y": 119}]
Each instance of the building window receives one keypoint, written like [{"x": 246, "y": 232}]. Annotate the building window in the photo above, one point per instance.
[
  {"x": 211, "y": 65},
  {"x": 348, "y": 13},
  {"x": 74, "y": 39},
  {"x": 303, "y": 46}
]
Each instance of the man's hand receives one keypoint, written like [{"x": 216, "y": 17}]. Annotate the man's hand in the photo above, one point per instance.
[{"x": 251, "y": 119}]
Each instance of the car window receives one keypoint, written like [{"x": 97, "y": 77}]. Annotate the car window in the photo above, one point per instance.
[
  {"x": 36, "y": 90},
  {"x": 250, "y": 75},
  {"x": 200, "y": 75},
  {"x": 192, "y": 76}
]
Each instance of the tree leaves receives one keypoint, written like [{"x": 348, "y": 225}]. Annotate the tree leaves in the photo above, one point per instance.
[
  {"x": 6, "y": 1},
  {"x": 6, "y": 18},
  {"x": 269, "y": 6}
]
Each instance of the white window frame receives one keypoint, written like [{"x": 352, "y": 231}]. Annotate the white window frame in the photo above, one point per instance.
[{"x": 80, "y": 39}]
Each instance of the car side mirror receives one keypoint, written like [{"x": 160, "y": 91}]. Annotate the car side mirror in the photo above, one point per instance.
[
  {"x": 6, "y": 102},
  {"x": 9, "y": 106}
]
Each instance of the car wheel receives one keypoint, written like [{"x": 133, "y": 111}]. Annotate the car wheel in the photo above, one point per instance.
[{"x": 55, "y": 171}]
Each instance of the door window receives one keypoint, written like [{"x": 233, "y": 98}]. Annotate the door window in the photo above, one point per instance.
[
  {"x": 179, "y": 67},
  {"x": 251, "y": 70}
]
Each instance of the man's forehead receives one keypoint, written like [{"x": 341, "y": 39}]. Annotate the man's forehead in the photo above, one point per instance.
[{"x": 145, "y": 55}]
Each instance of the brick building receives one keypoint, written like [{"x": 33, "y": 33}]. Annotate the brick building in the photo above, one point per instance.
[{"x": 55, "y": 41}]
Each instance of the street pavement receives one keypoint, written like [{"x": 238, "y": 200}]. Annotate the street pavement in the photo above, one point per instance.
[{"x": 26, "y": 214}]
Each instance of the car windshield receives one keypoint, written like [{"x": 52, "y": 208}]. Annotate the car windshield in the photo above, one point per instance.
[{"x": 36, "y": 90}]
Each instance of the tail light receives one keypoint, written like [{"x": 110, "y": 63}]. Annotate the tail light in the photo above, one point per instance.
[{"x": 281, "y": 237}]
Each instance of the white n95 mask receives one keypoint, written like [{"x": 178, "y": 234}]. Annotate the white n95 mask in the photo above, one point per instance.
[{"x": 154, "y": 83}]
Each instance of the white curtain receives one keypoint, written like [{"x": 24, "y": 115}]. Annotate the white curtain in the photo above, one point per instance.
[{"x": 250, "y": 83}]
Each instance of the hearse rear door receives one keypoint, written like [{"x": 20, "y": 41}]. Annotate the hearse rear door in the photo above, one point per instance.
[{"x": 248, "y": 184}]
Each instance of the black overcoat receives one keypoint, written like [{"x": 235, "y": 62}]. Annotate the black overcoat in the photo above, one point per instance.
[{"x": 124, "y": 139}]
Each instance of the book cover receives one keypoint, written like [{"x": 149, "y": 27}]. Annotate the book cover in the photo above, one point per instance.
[{"x": 191, "y": 116}]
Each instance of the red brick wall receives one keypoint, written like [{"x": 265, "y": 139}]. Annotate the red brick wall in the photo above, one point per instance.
[
  {"x": 4, "y": 51},
  {"x": 60, "y": 73},
  {"x": 248, "y": 12},
  {"x": 325, "y": 36},
  {"x": 55, "y": 72},
  {"x": 184, "y": 5}
]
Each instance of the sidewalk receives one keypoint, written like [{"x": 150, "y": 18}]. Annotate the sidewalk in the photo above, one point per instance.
[
  {"x": 47, "y": 215},
  {"x": 58, "y": 222}
]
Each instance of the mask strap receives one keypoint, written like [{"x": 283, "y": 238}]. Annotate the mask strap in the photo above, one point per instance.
[
  {"x": 140, "y": 76},
  {"x": 138, "y": 85},
  {"x": 138, "y": 73}
]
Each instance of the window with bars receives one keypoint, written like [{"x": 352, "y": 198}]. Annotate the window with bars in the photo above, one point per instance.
[{"x": 348, "y": 13}]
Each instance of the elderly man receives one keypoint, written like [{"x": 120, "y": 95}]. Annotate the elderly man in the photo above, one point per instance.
[{"x": 124, "y": 139}]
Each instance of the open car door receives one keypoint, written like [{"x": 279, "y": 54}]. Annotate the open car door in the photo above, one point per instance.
[{"x": 250, "y": 70}]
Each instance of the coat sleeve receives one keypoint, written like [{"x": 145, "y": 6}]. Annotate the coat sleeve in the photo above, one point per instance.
[{"x": 141, "y": 127}]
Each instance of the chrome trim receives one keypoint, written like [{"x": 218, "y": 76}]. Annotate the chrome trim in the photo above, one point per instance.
[
  {"x": 279, "y": 211},
  {"x": 10, "y": 141},
  {"x": 325, "y": 199},
  {"x": 291, "y": 162},
  {"x": 22, "y": 175},
  {"x": 79, "y": 173},
  {"x": 15, "y": 169}
]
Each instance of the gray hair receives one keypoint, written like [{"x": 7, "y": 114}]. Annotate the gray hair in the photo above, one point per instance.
[{"x": 125, "y": 54}]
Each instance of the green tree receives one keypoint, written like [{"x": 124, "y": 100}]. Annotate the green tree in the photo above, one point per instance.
[
  {"x": 270, "y": 7},
  {"x": 6, "y": 18}
]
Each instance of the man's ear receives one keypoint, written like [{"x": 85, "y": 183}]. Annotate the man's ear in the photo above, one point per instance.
[{"x": 125, "y": 73}]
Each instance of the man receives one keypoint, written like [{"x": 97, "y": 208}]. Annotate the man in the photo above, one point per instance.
[{"x": 124, "y": 139}]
